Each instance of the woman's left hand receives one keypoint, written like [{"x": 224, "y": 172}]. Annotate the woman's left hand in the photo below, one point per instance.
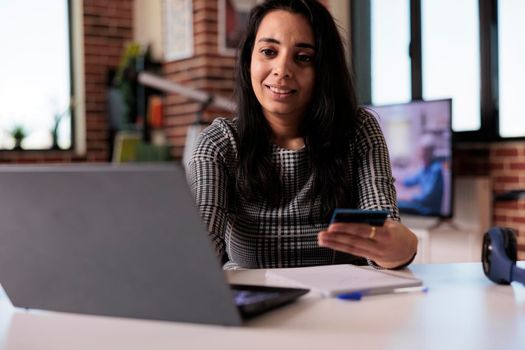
[{"x": 389, "y": 246}]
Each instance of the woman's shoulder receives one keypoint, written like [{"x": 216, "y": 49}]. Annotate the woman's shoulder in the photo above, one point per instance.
[
  {"x": 221, "y": 127},
  {"x": 366, "y": 117},
  {"x": 220, "y": 136},
  {"x": 366, "y": 126}
]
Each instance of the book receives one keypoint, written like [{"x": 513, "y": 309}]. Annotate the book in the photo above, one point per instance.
[{"x": 335, "y": 280}]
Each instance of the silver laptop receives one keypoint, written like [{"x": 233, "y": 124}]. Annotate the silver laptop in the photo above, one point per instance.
[{"x": 122, "y": 241}]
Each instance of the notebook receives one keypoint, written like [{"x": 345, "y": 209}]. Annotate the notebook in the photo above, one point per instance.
[
  {"x": 334, "y": 280},
  {"x": 122, "y": 241}
]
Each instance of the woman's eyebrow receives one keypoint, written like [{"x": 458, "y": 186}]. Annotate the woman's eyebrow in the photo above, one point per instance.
[
  {"x": 305, "y": 46},
  {"x": 275, "y": 41}
]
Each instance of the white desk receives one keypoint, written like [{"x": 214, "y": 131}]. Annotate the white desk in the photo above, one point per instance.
[{"x": 462, "y": 310}]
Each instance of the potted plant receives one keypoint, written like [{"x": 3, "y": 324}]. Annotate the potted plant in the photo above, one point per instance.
[
  {"x": 18, "y": 133},
  {"x": 126, "y": 80}
]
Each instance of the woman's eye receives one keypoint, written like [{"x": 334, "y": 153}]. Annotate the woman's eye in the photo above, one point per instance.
[
  {"x": 268, "y": 52},
  {"x": 304, "y": 58}
]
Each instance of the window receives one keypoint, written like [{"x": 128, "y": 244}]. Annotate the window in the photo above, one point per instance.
[
  {"x": 469, "y": 50},
  {"x": 35, "y": 71},
  {"x": 451, "y": 59},
  {"x": 511, "y": 68},
  {"x": 390, "y": 60}
]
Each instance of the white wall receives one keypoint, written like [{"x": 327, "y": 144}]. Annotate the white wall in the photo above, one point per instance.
[{"x": 147, "y": 25}]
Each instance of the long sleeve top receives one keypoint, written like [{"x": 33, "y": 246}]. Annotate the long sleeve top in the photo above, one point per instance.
[{"x": 251, "y": 234}]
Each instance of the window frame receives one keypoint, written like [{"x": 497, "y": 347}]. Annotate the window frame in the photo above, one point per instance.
[
  {"x": 489, "y": 76},
  {"x": 72, "y": 74}
]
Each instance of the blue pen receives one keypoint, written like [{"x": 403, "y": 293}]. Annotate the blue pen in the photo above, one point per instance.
[
  {"x": 350, "y": 296},
  {"x": 356, "y": 296}
]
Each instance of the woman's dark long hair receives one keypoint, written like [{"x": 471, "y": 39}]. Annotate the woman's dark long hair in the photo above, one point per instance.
[{"x": 327, "y": 126}]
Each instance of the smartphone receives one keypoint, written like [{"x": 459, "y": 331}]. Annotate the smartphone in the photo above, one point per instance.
[{"x": 371, "y": 217}]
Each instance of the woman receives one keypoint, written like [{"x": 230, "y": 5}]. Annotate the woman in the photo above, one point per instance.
[{"x": 267, "y": 181}]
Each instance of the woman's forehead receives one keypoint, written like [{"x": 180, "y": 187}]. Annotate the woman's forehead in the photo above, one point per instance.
[{"x": 285, "y": 27}]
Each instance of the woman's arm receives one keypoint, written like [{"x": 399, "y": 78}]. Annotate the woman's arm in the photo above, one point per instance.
[
  {"x": 208, "y": 180},
  {"x": 375, "y": 184},
  {"x": 392, "y": 245}
]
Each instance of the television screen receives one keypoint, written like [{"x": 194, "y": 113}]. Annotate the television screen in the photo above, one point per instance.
[{"x": 419, "y": 139}]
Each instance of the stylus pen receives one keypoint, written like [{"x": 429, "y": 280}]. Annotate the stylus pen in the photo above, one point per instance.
[{"x": 361, "y": 294}]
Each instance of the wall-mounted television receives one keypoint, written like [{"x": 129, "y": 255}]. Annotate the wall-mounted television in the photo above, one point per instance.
[{"x": 419, "y": 139}]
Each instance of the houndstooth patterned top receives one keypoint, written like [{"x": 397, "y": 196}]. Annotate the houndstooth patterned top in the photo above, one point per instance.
[{"x": 251, "y": 234}]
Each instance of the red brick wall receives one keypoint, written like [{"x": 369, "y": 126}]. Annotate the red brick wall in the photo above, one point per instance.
[
  {"x": 108, "y": 26},
  {"x": 507, "y": 162},
  {"x": 207, "y": 70},
  {"x": 504, "y": 164},
  {"x": 472, "y": 160}
]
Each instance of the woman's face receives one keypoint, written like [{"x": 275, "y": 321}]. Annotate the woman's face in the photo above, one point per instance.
[{"x": 282, "y": 66}]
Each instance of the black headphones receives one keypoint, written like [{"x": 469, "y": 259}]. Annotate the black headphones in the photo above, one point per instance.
[{"x": 499, "y": 255}]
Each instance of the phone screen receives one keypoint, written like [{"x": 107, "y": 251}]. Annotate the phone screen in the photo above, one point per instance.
[{"x": 371, "y": 217}]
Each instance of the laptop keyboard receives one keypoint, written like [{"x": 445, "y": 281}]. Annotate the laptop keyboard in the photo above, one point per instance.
[{"x": 245, "y": 297}]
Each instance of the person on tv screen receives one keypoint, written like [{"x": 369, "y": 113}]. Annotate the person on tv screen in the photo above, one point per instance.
[
  {"x": 298, "y": 147},
  {"x": 429, "y": 180}
]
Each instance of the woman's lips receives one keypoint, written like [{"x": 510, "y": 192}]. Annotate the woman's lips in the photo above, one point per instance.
[{"x": 280, "y": 92}]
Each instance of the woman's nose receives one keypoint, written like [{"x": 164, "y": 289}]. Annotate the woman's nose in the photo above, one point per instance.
[{"x": 283, "y": 68}]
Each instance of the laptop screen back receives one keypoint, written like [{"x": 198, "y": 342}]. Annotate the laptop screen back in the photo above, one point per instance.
[{"x": 98, "y": 239}]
